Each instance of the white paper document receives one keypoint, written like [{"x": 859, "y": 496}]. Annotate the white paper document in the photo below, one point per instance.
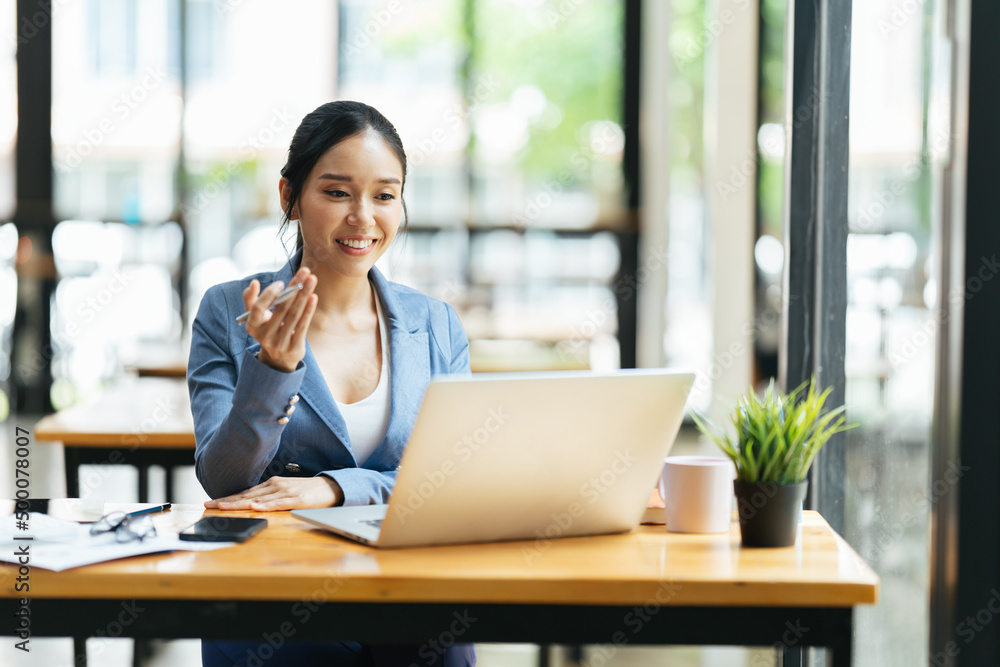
[{"x": 58, "y": 544}]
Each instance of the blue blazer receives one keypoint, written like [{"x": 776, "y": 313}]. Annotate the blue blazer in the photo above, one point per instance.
[{"x": 237, "y": 401}]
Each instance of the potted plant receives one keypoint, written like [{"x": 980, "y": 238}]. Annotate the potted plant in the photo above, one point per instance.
[{"x": 776, "y": 439}]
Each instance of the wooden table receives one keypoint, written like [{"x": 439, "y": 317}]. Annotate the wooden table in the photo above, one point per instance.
[
  {"x": 137, "y": 421},
  {"x": 158, "y": 360},
  {"x": 296, "y": 582}
]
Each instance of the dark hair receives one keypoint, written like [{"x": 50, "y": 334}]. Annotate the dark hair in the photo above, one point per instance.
[{"x": 321, "y": 130}]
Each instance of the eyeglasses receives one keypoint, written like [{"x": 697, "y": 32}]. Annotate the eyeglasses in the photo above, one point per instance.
[{"x": 126, "y": 528}]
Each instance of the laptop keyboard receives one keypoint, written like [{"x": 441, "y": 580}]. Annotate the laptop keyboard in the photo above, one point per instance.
[{"x": 375, "y": 523}]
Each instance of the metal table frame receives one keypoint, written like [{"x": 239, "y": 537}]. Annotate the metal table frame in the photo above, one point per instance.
[
  {"x": 142, "y": 459},
  {"x": 788, "y": 628}
]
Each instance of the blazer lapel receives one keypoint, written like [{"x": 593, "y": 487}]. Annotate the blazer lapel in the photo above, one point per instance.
[
  {"x": 410, "y": 372},
  {"x": 316, "y": 392}
]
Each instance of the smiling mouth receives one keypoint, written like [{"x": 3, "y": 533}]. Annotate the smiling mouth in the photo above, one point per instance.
[{"x": 355, "y": 243}]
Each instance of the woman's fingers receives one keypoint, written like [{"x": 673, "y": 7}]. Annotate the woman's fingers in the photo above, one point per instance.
[
  {"x": 279, "y": 311},
  {"x": 283, "y": 311},
  {"x": 245, "y": 496},
  {"x": 302, "y": 326},
  {"x": 235, "y": 502},
  {"x": 298, "y": 493},
  {"x": 275, "y": 503},
  {"x": 260, "y": 310},
  {"x": 228, "y": 503},
  {"x": 293, "y": 315},
  {"x": 243, "y": 499},
  {"x": 280, "y": 493},
  {"x": 239, "y": 500},
  {"x": 250, "y": 294},
  {"x": 274, "y": 329}
]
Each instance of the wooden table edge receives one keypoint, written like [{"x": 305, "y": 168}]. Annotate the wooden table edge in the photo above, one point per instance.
[
  {"x": 117, "y": 440},
  {"x": 384, "y": 589},
  {"x": 154, "y": 576}
]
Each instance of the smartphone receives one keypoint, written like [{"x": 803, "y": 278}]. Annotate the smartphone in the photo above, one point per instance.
[{"x": 223, "y": 529}]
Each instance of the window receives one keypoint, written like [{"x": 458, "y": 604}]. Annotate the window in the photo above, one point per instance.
[
  {"x": 891, "y": 325},
  {"x": 510, "y": 113},
  {"x": 8, "y": 109},
  {"x": 116, "y": 112},
  {"x": 111, "y": 37},
  {"x": 8, "y": 233}
]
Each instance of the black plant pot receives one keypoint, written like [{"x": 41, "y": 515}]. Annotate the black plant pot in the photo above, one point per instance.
[{"x": 769, "y": 513}]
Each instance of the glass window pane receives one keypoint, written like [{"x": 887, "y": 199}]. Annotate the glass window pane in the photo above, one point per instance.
[
  {"x": 116, "y": 111},
  {"x": 8, "y": 107},
  {"x": 8, "y": 233},
  {"x": 546, "y": 113},
  {"x": 687, "y": 339},
  {"x": 769, "y": 248},
  {"x": 891, "y": 326},
  {"x": 8, "y": 304},
  {"x": 249, "y": 87},
  {"x": 405, "y": 59},
  {"x": 510, "y": 115}
]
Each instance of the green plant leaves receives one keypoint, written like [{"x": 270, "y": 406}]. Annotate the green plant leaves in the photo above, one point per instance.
[{"x": 777, "y": 436}]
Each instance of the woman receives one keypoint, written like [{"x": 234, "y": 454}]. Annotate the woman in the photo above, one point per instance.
[{"x": 357, "y": 350}]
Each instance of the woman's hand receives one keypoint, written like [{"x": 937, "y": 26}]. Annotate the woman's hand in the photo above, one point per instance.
[
  {"x": 281, "y": 333},
  {"x": 283, "y": 493}
]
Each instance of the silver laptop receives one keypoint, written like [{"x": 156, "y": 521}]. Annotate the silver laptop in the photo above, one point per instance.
[{"x": 520, "y": 456}]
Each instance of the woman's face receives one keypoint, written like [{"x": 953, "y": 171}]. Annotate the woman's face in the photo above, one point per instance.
[{"x": 350, "y": 206}]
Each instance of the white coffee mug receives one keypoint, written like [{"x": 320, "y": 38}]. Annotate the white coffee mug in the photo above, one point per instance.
[{"x": 697, "y": 492}]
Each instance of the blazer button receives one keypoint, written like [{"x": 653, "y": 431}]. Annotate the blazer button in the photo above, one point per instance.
[
  {"x": 283, "y": 420},
  {"x": 293, "y": 467},
  {"x": 293, "y": 400},
  {"x": 290, "y": 410}
]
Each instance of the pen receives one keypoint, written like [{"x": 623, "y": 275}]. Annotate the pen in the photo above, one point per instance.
[
  {"x": 281, "y": 298},
  {"x": 150, "y": 510}
]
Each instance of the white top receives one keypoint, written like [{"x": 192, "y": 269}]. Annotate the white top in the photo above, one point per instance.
[{"x": 368, "y": 419}]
